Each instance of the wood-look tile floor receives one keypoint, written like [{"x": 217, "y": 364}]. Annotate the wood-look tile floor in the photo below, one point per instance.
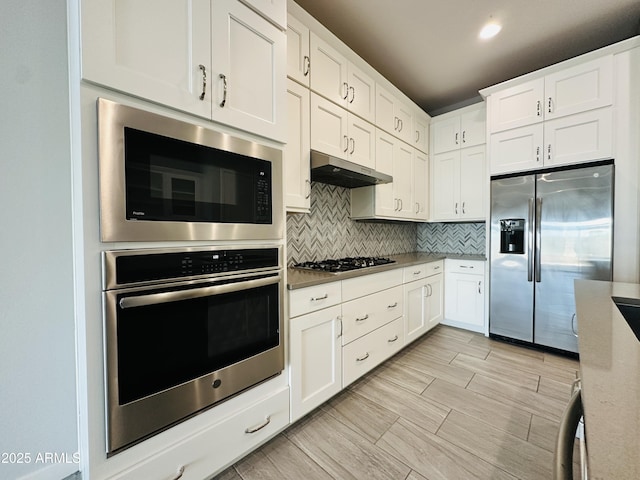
[{"x": 454, "y": 405}]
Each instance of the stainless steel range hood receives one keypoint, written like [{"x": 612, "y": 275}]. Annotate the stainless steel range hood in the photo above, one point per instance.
[{"x": 336, "y": 171}]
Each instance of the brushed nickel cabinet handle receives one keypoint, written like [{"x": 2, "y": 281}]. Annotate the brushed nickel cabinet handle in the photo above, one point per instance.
[
  {"x": 179, "y": 473},
  {"x": 307, "y": 66},
  {"x": 308, "y": 182},
  {"x": 346, "y": 144},
  {"x": 393, "y": 305},
  {"x": 456, "y": 139},
  {"x": 479, "y": 289},
  {"x": 464, "y": 136},
  {"x": 323, "y": 297},
  {"x": 550, "y": 105},
  {"x": 346, "y": 90},
  {"x": 204, "y": 81},
  {"x": 366, "y": 317},
  {"x": 362, "y": 359},
  {"x": 266, "y": 422},
  {"x": 353, "y": 94},
  {"x": 391, "y": 340},
  {"x": 353, "y": 146},
  {"x": 549, "y": 152},
  {"x": 224, "y": 91},
  {"x": 538, "y": 109}
]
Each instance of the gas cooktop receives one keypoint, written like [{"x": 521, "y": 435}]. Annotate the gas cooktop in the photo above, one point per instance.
[{"x": 343, "y": 264}]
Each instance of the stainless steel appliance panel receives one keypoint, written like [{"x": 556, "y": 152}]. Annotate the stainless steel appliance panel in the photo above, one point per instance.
[
  {"x": 511, "y": 293},
  {"x": 574, "y": 216}
]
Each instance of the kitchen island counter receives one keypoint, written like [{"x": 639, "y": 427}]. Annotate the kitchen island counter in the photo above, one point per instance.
[
  {"x": 297, "y": 278},
  {"x": 610, "y": 376}
]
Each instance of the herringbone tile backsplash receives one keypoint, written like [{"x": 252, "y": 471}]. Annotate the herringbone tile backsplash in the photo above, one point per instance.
[
  {"x": 328, "y": 232},
  {"x": 459, "y": 238}
]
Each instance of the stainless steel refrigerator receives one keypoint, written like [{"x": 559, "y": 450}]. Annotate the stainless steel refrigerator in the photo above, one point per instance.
[{"x": 547, "y": 230}]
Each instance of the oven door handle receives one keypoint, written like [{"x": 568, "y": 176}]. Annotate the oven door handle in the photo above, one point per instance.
[{"x": 175, "y": 296}]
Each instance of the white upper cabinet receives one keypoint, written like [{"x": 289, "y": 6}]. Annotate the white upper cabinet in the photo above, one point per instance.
[
  {"x": 393, "y": 115},
  {"x": 336, "y": 132},
  {"x": 248, "y": 69},
  {"x": 273, "y": 10},
  {"x": 297, "y": 153},
  {"x": 421, "y": 122},
  {"x": 458, "y": 185},
  {"x": 181, "y": 53},
  {"x": 151, "y": 49},
  {"x": 583, "y": 87},
  {"x": 563, "y": 118},
  {"x": 338, "y": 80},
  {"x": 298, "y": 60},
  {"x": 466, "y": 129},
  {"x": 390, "y": 200},
  {"x": 420, "y": 186}
]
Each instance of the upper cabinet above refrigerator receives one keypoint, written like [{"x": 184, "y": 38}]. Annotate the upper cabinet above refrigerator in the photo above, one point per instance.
[{"x": 562, "y": 118}]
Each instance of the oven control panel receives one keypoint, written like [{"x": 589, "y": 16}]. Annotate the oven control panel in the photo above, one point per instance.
[{"x": 131, "y": 267}]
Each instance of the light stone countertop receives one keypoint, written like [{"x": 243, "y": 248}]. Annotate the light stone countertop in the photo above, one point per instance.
[
  {"x": 303, "y": 278},
  {"x": 610, "y": 375}
]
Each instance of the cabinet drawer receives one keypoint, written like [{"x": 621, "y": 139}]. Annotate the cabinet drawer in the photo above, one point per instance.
[
  {"x": 368, "y": 284},
  {"x": 369, "y": 351},
  {"x": 473, "y": 267},
  {"x": 365, "y": 314},
  {"x": 314, "y": 298},
  {"x": 212, "y": 449},
  {"x": 423, "y": 270}
]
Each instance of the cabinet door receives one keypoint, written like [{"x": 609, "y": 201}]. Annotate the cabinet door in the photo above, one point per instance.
[
  {"x": 328, "y": 71},
  {"x": 297, "y": 151},
  {"x": 445, "y": 135},
  {"x": 152, "y": 49},
  {"x": 473, "y": 129},
  {"x": 415, "y": 317},
  {"x": 472, "y": 183},
  {"x": 362, "y": 141},
  {"x": 249, "y": 70},
  {"x": 420, "y": 186},
  {"x": 464, "y": 300},
  {"x": 385, "y": 201},
  {"x": 580, "y": 88},
  {"x": 516, "y": 106},
  {"x": 362, "y": 94},
  {"x": 273, "y": 10},
  {"x": 385, "y": 116},
  {"x": 516, "y": 150},
  {"x": 329, "y": 127},
  {"x": 434, "y": 301},
  {"x": 298, "y": 61},
  {"x": 403, "y": 180},
  {"x": 316, "y": 359},
  {"x": 579, "y": 138},
  {"x": 445, "y": 186},
  {"x": 421, "y": 131}
]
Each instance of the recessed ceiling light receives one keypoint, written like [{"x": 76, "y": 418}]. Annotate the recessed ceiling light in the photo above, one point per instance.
[{"x": 490, "y": 30}]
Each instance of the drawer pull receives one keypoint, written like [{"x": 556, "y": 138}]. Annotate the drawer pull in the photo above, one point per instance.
[
  {"x": 436, "y": 267},
  {"x": 393, "y": 305},
  {"x": 362, "y": 359},
  {"x": 391, "y": 340},
  {"x": 324, "y": 297},
  {"x": 418, "y": 272},
  {"x": 363, "y": 318},
  {"x": 179, "y": 472},
  {"x": 466, "y": 266},
  {"x": 266, "y": 422}
]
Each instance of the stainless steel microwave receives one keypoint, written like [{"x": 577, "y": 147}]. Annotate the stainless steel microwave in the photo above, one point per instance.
[{"x": 163, "y": 179}]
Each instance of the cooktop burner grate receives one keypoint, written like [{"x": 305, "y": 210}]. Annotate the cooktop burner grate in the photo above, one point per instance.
[{"x": 343, "y": 264}]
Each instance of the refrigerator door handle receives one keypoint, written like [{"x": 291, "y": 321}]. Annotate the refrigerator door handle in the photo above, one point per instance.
[
  {"x": 538, "y": 263},
  {"x": 530, "y": 242}
]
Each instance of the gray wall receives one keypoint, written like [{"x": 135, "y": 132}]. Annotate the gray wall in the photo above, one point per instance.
[{"x": 37, "y": 341}]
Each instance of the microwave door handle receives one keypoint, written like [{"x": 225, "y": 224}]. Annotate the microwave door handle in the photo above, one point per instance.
[{"x": 166, "y": 297}]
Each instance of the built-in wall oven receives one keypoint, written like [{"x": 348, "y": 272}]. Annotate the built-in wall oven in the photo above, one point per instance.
[
  {"x": 184, "y": 329},
  {"x": 163, "y": 179}
]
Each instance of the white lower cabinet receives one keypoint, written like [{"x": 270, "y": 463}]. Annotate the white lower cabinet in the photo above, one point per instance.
[
  {"x": 316, "y": 359},
  {"x": 211, "y": 449},
  {"x": 371, "y": 350},
  {"x": 423, "y": 298},
  {"x": 464, "y": 294}
]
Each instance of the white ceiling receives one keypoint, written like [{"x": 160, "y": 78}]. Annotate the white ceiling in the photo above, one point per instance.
[{"x": 430, "y": 48}]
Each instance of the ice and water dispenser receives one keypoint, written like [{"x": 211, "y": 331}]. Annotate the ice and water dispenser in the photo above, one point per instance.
[{"x": 512, "y": 235}]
